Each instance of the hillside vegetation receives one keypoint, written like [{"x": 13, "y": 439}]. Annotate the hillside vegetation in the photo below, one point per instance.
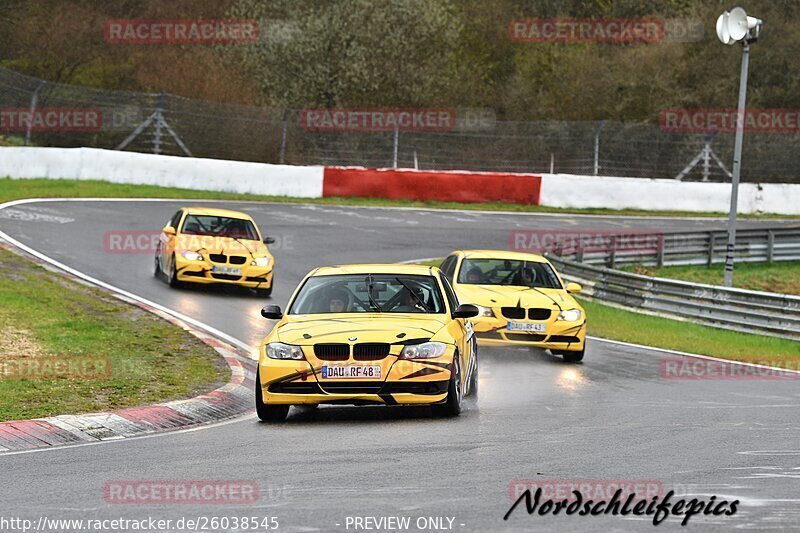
[{"x": 414, "y": 53}]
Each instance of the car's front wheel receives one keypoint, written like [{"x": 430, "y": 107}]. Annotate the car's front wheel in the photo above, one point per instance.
[
  {"x": 157, "y": 269},
  {"x": 268, "y": 413},
  {"x": 473, "y": 382},
  {"x": 452, "y": 404},
  {"x": 571, "y": 356},
  {"x": 266, "y": 293},
  {"x": 173, "y": 275}
]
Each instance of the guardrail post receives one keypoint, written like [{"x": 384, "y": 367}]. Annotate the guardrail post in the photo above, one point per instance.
[
  {"x": 711, "y": 242},
  {"x": 283, "y": 134},
  {"x": 396, "y": 144},
  {"x": 770, "y": 245},
  {"x": 579, "y": 254},
  {"x": 612, "y": 256},
  {"x": 31, "y": 112},
  {"x": 660, "y": 252}
]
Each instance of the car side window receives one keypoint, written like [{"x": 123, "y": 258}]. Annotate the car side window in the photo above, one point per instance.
[
  {"x": 176, "y": 219},
  {"x": 450, "y": 294},
  {"x": 448, "y": 267}
]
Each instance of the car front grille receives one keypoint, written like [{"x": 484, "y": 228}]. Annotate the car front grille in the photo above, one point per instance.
[
  {"x": 237, "y": 259},
  {"x": 513, "y": 312},
  {"x": 352, "y": 387},
  {"x": 535, "y": 313},
  {"x": 226, "y": 277},
  {"x": 525, "y": 337},
  {"x": 332, "y": 352},
  {"x": 370, "y": 351}
]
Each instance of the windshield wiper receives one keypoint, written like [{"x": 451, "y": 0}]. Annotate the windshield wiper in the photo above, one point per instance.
[
  {"x": 417, "y": 299},
  {"x": 374, "y": 303}
]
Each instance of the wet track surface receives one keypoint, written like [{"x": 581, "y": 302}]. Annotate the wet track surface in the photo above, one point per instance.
[{"x": 611, "y": 418}]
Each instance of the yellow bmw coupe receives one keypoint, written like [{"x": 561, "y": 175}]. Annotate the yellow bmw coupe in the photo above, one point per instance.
[
  {"x": 204, "y": 245},
  {"x": 521, "y": 300},
  {"x": 368, "y": 334}
]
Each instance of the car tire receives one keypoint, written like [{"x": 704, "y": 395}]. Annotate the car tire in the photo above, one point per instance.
[
  {"x": 473, "y": 381},
  {"x": 266, "y": 293},
  {"x": 572, "y": 356},
  {"x": 452, "y": 404},
  {"x": 157, "y": 269},
  {"x": 268, "y": 413},
  {"x": 173, "y": 275}
]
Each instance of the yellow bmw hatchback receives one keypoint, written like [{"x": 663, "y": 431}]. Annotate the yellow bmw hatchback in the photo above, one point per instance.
[
  {"x": 521, "y": 300},
  {"x": 204, "y": 245},
  {"x": 368, "y": 334}
]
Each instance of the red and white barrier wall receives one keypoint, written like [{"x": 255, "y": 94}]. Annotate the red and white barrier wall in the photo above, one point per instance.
[
  {"x": 553, "y": 190},
  {"x": 163, "y": 170},
  {"x": 442, "y": 186}
]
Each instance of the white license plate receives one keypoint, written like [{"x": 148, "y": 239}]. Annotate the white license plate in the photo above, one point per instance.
[
  {"x": 231, "y": 271},
  {"x": 351, "y": 371},
  {"x": 526, "y": 326}
]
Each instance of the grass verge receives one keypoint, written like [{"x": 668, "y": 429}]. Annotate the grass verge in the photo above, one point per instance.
[
  {"x": 617, "y": 324},
  {"x": 47, "y": 319},
  {"x": 783, "y": 277},
  {"x": 47, "y": 188}
]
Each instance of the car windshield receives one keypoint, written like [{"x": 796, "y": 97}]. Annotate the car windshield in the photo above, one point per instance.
[
  {"x": 235, "y": 228},
  {"x": 369, "y": 293},
  {"x": 508, "y": 272}
]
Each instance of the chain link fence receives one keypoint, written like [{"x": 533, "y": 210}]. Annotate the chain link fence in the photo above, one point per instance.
[{"x": 163, "y": 123}]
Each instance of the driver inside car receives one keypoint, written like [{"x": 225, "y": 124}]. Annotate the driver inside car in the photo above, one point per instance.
[
  {"x": 409, "y": 304},
  {"x": 337, "y": 301}
]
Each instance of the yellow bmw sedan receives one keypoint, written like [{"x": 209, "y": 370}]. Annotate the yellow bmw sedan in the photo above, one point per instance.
[
  {"x": 204, "y": 245},
  {"x": 521, "y": 300},
  {"x": 368, "y": 334}
]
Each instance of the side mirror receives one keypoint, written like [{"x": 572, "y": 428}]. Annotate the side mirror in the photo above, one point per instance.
[
  {"x": 168, "y": 230},
  {"x": 273, "y": 312},
  {"x": 573, "y": 287},
  {"x": 465, "y": 311},
  {"x": 269, "y": 240}
]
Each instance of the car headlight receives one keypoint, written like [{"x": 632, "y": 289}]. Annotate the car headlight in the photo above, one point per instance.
[
  {"x": 192, "y": 256},
  {"x": 570, "y": 315},
  {"x": 484, "y": 311},
  {"x": 279, "y": 350},
  {"x": 260, "y": 262},
  {"x": 426, "y": 350}
]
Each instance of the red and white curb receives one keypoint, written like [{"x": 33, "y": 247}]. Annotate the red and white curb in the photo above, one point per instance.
[{"x": 233, "y": 399}]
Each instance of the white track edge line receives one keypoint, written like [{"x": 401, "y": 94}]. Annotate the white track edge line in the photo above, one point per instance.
[{"x": 61, "y": 266}]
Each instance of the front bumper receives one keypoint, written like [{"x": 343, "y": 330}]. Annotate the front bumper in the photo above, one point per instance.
[
  {"x": 408, "y": 382},
  {"x": 357, "y": 392},
  {"x": 253, "y": 277},
  {"x": 558, "y": 334}
]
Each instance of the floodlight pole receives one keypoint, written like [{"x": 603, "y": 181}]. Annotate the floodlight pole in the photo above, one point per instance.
[{"x": 737, "y": 166}]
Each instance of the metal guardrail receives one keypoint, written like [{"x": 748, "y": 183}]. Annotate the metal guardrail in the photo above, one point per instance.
[
  {"x": 653, "y": 248},
  {"x": 758, "y": 312}
]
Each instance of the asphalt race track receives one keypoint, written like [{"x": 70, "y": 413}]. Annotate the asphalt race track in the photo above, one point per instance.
[{"x": 611, "y": 418}]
